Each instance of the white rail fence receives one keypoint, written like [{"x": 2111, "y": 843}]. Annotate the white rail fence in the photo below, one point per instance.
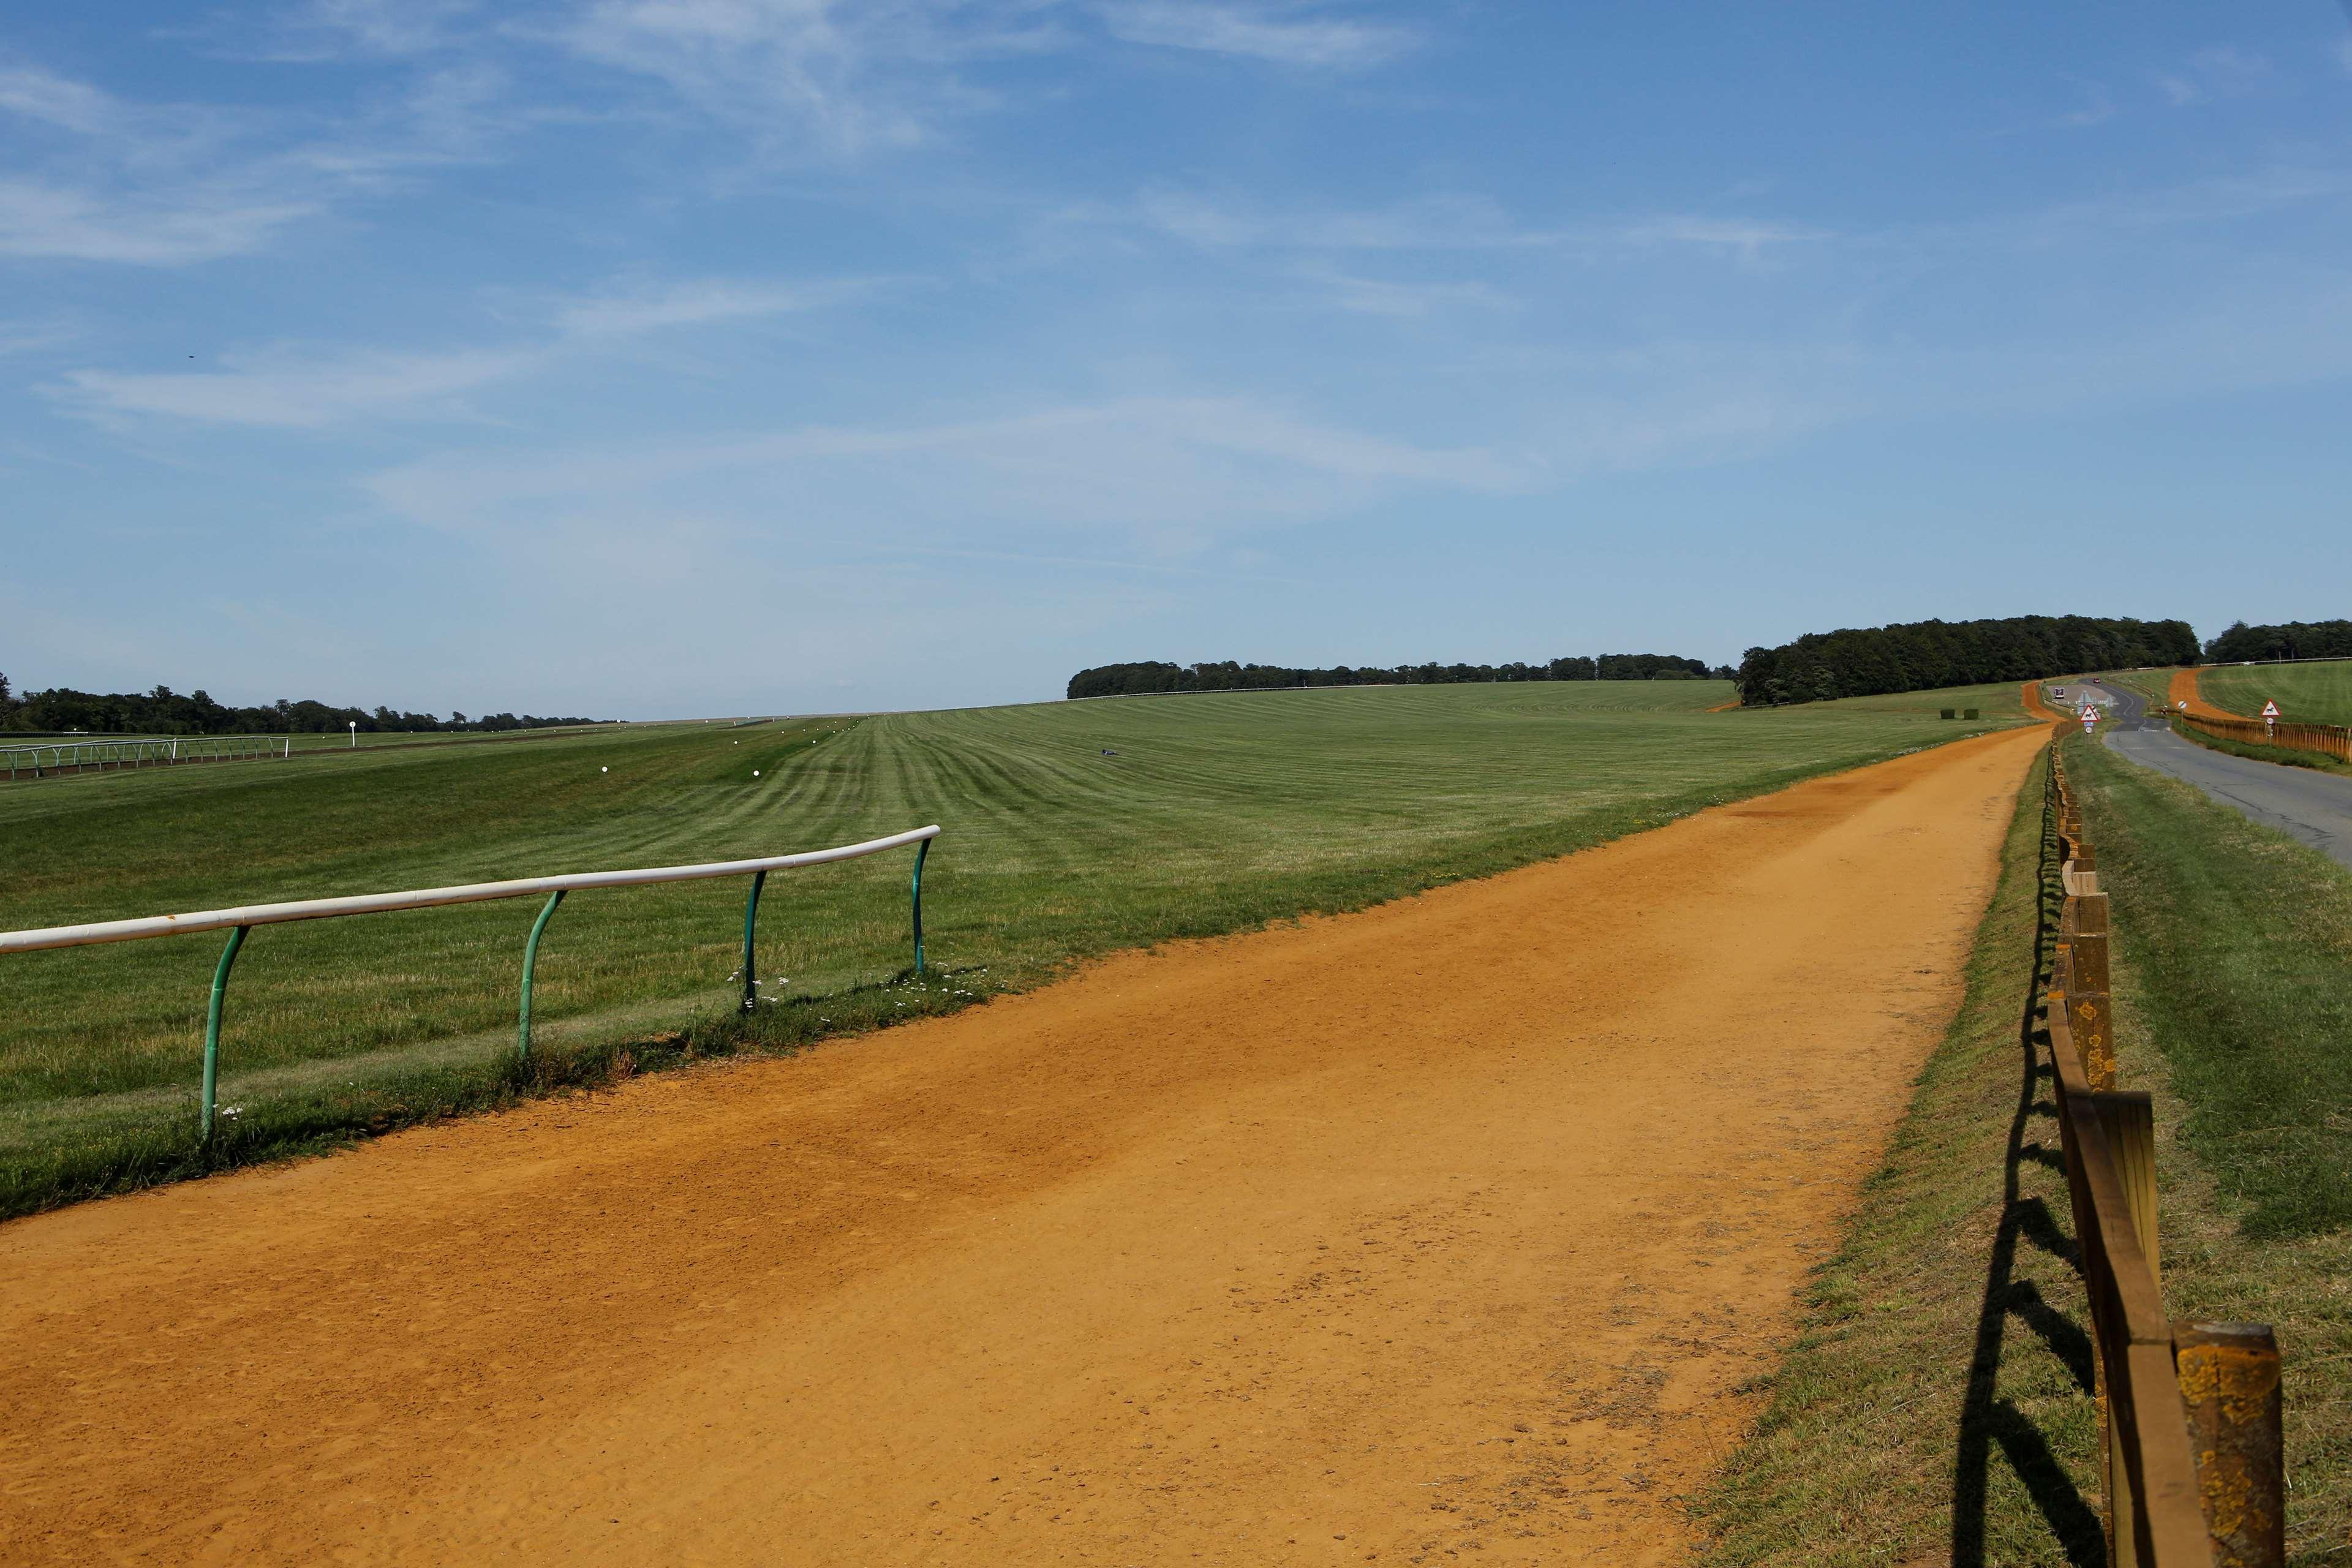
[{"x": 238, "y": 921}]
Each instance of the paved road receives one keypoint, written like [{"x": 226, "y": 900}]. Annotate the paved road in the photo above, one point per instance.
[{"x": 2313, "y": 806}]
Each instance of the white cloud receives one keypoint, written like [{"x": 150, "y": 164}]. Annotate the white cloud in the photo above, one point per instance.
[
  {"x": 309, "y": 389},
  {"x": 1163, "y": 469},
  {"x": 162, "y": 185},
  {"x": 293, "y": 391},
  {"x": 1433, "y": 222},
  {"x": 1748, "y": 239},
  {"x": 55, "y": 101},
  {"x": 386, "y": 26},
  {"x": 168, "y": 230},
  {"x": 850, "y": 78},
  {"x": 1400, "y": 301},
  {"x": 1283, "y": 34},
  {"x": 24, "y": 337},
  {"x": 2222, "y": 71},
  {"x": 1423, "y": 222},
  {"x": 697, "y": 303}
]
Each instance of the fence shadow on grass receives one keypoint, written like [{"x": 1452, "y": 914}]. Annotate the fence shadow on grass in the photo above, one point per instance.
[{"x": 1989, "y": 1420}]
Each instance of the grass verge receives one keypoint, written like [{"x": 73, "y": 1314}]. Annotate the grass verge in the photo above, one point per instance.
[
  {"x": 2285, "y": 756},
  {"x": 1936, "y": 1404},
  {"x": 2235, "y": 954},
  {"x": 2317, "y": 693}
]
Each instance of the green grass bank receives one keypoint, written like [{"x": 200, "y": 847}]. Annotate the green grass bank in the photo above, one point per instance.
[
  {"x": 2317, "y": 693},
  {"x": 1071, "y": 830}
]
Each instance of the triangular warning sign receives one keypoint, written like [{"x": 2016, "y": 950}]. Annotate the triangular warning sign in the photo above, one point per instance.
[{"x": 2269, "y": 710}]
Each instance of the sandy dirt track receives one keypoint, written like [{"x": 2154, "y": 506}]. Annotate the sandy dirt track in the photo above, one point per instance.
[
  {"x": 1456, "y": 1222},
  {"x": 2183, "y": 687}
]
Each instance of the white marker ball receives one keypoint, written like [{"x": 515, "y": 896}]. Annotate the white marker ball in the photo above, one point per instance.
[
  {"x": 603, "y": 770},
  {"x": 755, "y": 773}
]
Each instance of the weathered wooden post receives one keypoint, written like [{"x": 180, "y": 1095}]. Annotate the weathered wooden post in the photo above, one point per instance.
[
  {"x": 2229, "y": 1383},
  {"x": 2128, "y": 1121},
  {"x": 2090, "y": 1008}
]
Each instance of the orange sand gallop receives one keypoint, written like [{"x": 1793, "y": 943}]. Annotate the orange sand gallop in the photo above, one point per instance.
[
  {"x": 2034, "y": 707},
  {"x": 1457, "y": 1221},
  {"x": 2184, "y": 689}
]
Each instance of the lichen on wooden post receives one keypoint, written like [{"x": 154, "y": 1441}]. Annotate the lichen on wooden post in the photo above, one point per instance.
[{"x": 2230, "y": 1384}]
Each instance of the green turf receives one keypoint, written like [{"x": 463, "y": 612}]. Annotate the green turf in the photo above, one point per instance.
[
  {"x": 2001, "y": 700},
  {"x": 1215, "y": 813},
  {"x": 2319, "y": 693},
  {"x": 2246, "y": 940},
  {"x": 2235, "y": 957},
  {"x": 2154, "y": 685}
]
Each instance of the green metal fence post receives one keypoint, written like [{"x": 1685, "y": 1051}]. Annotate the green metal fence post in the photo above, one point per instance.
[
  {"x": 750, "y": 923},
  {"x": 530, "y": 962},
  {"x": 921, "y": 849},
  {"x": 212, "y": 1024}
]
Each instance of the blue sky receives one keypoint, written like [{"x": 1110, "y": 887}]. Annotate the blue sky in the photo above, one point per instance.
[{"x": 653, "y": 357}]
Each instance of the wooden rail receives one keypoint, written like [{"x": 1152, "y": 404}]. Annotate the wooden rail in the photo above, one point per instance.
[
  {"x": 2327, "y": 740},
  {"x": 2193, "y": 1466}
]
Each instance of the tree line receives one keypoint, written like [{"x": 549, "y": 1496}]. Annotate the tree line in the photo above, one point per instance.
[
  {"x": 164, "y": 711},
  {"x": 2243, "y": 644},
  {"x": 1148, "y": 676},
  {"x": 1924, "y": 655}
]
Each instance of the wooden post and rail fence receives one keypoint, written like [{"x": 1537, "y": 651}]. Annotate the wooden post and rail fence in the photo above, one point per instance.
[
  {"x": 2194, "y": 1464},
  {"x": 2327, "y": 740}
]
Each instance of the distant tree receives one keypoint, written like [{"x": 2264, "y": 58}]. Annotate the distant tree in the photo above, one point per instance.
[
  {"x": 1924, "y": 655},
  {"x": 1146, "y": 676},
  {"x": 2291, "y": 639}
]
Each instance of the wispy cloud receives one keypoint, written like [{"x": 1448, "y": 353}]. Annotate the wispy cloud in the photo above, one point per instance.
[
  {"x": 23, "y": 337},
  {"x": 1437, "y": 223},
  {"x": 699, "y": 302},
  {"x": 1183, "y": 468},
  {"x": 1399, "y": 301},
  {"x": 55, "y": 101},
  {"x": 385, "y": 26},
  {"x": 189, "y": 224},
  {"x": 2222, "y": 71},
  {"x": 1286, "y": 33},
  {"x": 291, "y": 391},
  {"x": 168, "y": 184},
  {"x": 310, "y": 388},
  {"x": 810, "y": 75}
]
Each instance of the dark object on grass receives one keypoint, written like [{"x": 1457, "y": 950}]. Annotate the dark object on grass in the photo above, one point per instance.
[
  {"x": 1108, "y": 753},
  {"x": 1948, "y": 714},
  {"x": 1969, "y": 713}
]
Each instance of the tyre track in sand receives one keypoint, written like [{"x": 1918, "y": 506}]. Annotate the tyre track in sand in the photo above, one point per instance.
[{"x": 1456, "y": 1223}]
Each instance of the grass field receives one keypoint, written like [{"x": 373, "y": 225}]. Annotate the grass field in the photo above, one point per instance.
[
  {"x": 304, "y": 743},
  {"x": 2318, "y": 693},
  {"x": 2150, "y": 684},
  {"x": 2235, "y": 957},
  {"x": 1072, "y": 829}
]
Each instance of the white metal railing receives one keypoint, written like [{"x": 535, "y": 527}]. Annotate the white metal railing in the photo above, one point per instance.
[
  {"x": 137, "y": 750},
  {"x": 240, "y": 920}
]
